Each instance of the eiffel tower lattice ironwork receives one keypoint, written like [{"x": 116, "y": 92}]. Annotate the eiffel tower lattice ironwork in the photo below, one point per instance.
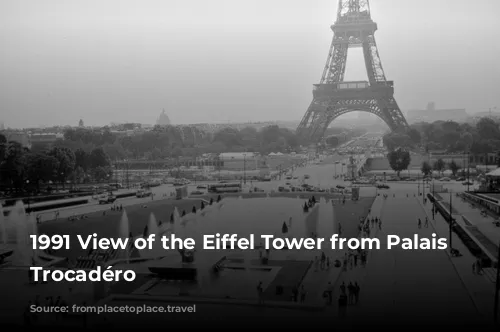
[{"x": 333, "y": 96}]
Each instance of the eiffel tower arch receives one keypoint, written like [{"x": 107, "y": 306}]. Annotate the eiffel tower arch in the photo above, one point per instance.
[{"x": 333, "y": 96}]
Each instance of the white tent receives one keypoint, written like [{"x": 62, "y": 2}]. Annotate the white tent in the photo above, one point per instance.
[{"x": 494, "y": 173}]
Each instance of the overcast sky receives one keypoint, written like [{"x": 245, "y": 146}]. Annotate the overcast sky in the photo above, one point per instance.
[{"x": 229, "y": 60}]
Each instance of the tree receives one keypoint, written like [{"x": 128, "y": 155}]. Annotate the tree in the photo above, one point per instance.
[
  {"x": 229, "y": 137},
  {"x": 332, "y": 141},
  {"x": 396, "y": 140},
  {"x": 41, "y": 167},
  {"x": 66, "y": 163},
  {"x": 487, "y": 128},
  {"x": 414, "y": 135},
  {"x": 426, "y": 168},
  {"x": 399, "y": 159},
  {"x": 454, "y": 167},
  {"x": 115, "y": 151},
  {"x": 82, "y": 159},
  {"x": 12, "y": 164},
  {"x": 3, "y": 139},
  {"x": 439, "y": 165},
  {"x": 98, "y": 158},
  {"x": 101, "y": 173},
  {"x": 79, "y": 175}
]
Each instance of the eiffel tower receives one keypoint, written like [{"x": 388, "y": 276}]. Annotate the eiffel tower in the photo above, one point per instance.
[{"x": 333, "y": 96}]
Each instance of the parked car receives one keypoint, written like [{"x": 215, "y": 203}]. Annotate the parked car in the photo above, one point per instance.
[
  {"x": 445, "y": 179},
  {"x": 107, "y": 199},
  {"x": 201, "y": 186},
  {"x": 283, "y": 189},
  {"x": 467, "y": 183},
  {"x": 382, "y": 186},
  {"x": 143, "y": 193},
  {"x": 197, "y": 192}
]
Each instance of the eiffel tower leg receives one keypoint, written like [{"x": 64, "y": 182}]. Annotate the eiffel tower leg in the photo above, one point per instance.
[
  {"x": 309, "y": 124},
  {"x": 392, "y": 115},
  {"x": 319, "y": 125}
]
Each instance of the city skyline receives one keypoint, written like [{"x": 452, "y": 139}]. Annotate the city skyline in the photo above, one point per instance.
[{"x": 227, "y": 61}]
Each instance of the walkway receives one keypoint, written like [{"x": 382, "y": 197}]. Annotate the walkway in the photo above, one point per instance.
[
  {"x": 399, "y": 285},
  {"x": 483, "y": 223},
  {"x": 480, "y": 287}
]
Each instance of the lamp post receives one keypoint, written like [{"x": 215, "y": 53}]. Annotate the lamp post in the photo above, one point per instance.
[
  {"x": 418, "y": 184},
  {"x": 433, "y": 199},
  {"x": 423, "y": 190},
  {"x": 219, "y": 164},
  {"x": 451, "y": 222},
  {"x": 126, "y": 174},
  {"x": 27, "y": 185},
  {"x": 468, "y": 170},
  {"x": 244, "y": 168},
  {"x": 497, "y": 287}
]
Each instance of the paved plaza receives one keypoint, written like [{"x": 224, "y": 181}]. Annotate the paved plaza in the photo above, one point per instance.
[{"x": 401, "y": 286}]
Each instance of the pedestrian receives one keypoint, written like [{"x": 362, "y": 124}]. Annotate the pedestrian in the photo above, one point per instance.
[
  {"x": 295, "y": 294},
  {"x": 356, "y": 292},
  {"x": 302, "y": 294},
  {"x": 350, "y": 291},
  {"x": 419, "y": 223},
  {"x": 474, "y": 268},
  {"x": 329, "y": 292},
  {"x": 426, "y": 225},
  {"x": 260, "y": 292},
  {"x": 316, "y": 263},
  {"x": 342, "y": 288},
  {"x": 323, "y": 260}
]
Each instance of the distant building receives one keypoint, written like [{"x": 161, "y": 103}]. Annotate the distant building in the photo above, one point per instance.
[
  {"x": 163, "y": 119},
  {"x": 19, "y": 137},
  {"x": 80, "y": 123},
  {"x": 431, "y": 114},
  {"x": 45, "y": 139}
]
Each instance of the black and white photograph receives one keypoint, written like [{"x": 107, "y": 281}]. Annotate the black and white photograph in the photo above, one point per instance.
[{"x": 250, "y": 164}]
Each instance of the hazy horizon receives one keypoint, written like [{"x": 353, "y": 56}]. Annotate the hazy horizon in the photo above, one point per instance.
[{"x": 229, "y": 60}]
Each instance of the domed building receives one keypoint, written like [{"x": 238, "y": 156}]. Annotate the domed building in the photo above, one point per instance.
[{"x": 163, "y": 119}]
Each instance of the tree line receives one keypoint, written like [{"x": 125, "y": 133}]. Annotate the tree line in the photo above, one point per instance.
[
  {"x": 164, "y": 142},
  {"x": 22, "y": 169},
  {"x": 450, "y": 136}
]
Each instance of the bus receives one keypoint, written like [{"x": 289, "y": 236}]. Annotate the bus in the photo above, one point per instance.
[
  {"x": 225, "y": 188},
  {"x": 47, "y": 205}
]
